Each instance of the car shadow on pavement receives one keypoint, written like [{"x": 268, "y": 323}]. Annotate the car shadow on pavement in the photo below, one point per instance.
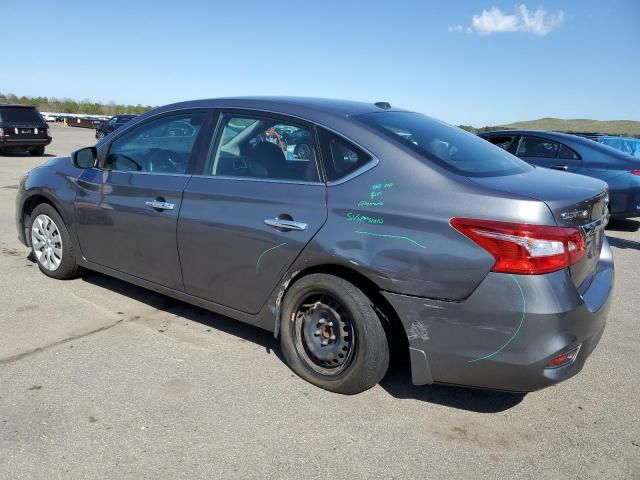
[
  {"x": 24, "y": 154},
  {"x": 397, "y": 382},
  {"x": 623, "y": 244},
  {"x": 623, "y": 225}
]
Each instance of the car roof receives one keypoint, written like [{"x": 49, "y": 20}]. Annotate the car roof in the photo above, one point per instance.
[
  {"x": 310, "y": 108},
  {"x": 15, "y": 105}
]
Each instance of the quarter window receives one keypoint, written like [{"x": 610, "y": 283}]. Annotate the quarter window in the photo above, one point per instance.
[
  {"x": 263, "y": 147},
  {"x": 159, "y": 146},
  {"x": 568, "y": 154},
  {"x": 537, "y": 147},
  {"x": 340, "y": 156}
]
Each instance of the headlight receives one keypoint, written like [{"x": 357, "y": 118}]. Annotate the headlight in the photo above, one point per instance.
[{"x": 1, "y": 132}]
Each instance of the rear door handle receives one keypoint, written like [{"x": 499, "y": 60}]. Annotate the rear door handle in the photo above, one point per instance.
[
  {"x": 559, "y": 167},
  {"x": 159, "y": 205},
  {"x": 285, "y": 224}
]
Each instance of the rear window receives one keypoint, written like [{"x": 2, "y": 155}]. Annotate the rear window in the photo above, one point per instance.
[
  {"x": 19, "y": 114},
  {"x": 447, "y": 146}
]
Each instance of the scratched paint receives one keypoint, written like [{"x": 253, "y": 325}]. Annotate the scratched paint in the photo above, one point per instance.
[
  {"x": 418, "y": 330},
  {"x": 264, "y": 253},
  {"x": 515, "y": 334},
  {"x": 385, "y": 235}
]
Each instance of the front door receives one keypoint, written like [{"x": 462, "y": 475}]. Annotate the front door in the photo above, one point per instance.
[
  {"x": 127, "y": 210},
  {"x": 258, "y": 204}
]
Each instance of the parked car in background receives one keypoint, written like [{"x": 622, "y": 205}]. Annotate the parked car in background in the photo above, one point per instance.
[
  {"x": 22, "y": 129},
  {"x": 390, "y": 223},
  {"x": 628, "y": 145},
  {"x": 115, "y": 122},
  {"x": 570, "y": 153}
]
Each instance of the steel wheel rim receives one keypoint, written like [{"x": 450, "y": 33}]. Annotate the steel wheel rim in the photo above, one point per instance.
[
  {"x": 46, "y": 242},
  {"x": 323, "y": 334}
]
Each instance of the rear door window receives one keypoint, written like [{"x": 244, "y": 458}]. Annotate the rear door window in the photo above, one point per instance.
[
  {"x": 262, "y": 147},
  {"x": 449, "y": 147},
  {"x": 537, "y": 147},
  {"x": 567, "y": 153}
]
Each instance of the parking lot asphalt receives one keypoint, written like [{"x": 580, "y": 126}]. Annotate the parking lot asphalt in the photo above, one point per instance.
[{"x": 102, "y": 379}]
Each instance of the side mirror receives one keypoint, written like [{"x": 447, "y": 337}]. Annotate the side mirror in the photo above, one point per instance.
[{"x": 85, "y": 157}]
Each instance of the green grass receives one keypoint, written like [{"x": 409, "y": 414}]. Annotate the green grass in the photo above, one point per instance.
[{"x": 611, "y": 127}]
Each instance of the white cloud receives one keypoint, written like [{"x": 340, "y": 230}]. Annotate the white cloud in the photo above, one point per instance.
[{"x": 538, "y": 22}]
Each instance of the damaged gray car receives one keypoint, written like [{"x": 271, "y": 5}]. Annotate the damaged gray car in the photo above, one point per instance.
[{"x": 338, "y": 225}]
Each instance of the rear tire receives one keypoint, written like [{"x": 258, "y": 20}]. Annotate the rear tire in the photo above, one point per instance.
[
  {"x": 36, "y": 151},
  {"x": 51, "y": 244},
  {"x": 331, "y": 336}
]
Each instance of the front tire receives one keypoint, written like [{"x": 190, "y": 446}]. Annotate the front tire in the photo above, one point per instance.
[
  {"x": 100, "y": 135},
  {"x": 51, "y": 244},
  {"x": 331, "y": 336}
]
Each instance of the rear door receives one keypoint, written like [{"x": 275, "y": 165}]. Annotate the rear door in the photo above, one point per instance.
[
  {"x": 548, "y": 153},
  {"x": 257, "y": 204},
  {"x": 127, "y": 210}
]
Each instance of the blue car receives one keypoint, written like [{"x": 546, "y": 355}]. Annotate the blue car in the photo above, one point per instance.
[{"x": 561, "y": 151}]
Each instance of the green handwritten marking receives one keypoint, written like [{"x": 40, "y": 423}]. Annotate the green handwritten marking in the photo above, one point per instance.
[
  {"x": 376, "y": 186},
  {"x": 356, "y": 217},
  {"x": 388, "y": 185},
  {"x": 392, "y": 236},
  {"x": 367, "y": 203},
  {"x": 267, "y": 251},
  {"x": 524, "y": 309}
]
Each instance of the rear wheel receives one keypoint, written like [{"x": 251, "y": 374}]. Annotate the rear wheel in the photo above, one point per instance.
[
  {"x": 51, "y": 243},
  {"x": 36, "y": 151},
  {"x": 331, "y": 335}
]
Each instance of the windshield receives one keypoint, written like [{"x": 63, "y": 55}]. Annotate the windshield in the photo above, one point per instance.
[
  {"x": 447, "y": 146},
  {"x": 19, "y": 114}
]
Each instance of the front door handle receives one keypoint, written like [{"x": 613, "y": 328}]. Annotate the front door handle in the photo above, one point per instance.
[
  {"x": 285, "y": 224},
  {"x": 559, "y": 167},
  {"x": 159, "y": 205}
]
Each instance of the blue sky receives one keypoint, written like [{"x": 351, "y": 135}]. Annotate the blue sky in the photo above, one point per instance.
[{"x": 473, "y": 62}]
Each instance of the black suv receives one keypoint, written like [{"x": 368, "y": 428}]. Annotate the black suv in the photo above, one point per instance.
[
  {"x": 105, "y": 128},
  {"x": 22, "y": 128}
]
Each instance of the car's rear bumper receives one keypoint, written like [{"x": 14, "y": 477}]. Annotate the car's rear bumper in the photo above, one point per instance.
[
  {"x": 505, "y": 334},
  {"x": 16, "y": 142}
]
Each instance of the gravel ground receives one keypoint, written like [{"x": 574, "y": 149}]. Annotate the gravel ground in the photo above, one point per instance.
[{"x": 101, "y": 379}]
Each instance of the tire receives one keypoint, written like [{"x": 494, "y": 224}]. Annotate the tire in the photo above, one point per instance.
[
  {"x": 62, "y": 266},
  {"x": 36, "y": 151},
  {"x": 100, "y": 135},
  {"x": 350, "y": 327}
]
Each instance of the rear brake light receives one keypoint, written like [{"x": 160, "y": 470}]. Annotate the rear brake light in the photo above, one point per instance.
[
  {"x": 635, "y": 172},
  {"x": 522, "y": 248}
]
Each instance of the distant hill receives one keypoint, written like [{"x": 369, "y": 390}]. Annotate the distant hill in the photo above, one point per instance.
[{"x": 611, "y": 127}]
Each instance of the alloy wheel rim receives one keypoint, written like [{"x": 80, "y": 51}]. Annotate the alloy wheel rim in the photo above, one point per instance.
[
  {"x": 323, "y": 334},
  {"x": 46, "y": 242}
]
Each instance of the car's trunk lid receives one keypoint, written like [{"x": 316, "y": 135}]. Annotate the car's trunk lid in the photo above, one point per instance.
[{"x": 574, "y": 200}]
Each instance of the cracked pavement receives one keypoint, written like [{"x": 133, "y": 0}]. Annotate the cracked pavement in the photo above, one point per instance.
[{"x": 102, "y": 379}]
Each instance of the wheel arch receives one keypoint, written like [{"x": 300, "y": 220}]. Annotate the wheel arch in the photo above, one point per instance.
[
  {"x": 29, "y": 206},
  {"x": 396, "y": 334}
]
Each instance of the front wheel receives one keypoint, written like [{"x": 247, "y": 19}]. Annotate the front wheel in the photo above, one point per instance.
[
  {"x": 331, "y": 336},
  {"x": 100, "y": 135},
  {"x": 51, "y": 244}
]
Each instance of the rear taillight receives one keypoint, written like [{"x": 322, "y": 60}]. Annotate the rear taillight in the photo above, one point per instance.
[
  {"x": 1, "y": 132},
  {"x": 522, "y": 248},
  {"x": 635, "y": 172}
]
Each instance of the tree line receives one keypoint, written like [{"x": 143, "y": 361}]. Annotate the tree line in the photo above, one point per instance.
[{"x": 68, "y": 105}]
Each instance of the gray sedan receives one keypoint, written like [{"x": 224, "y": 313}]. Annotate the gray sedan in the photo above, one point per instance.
[{"x": 340, "y": 226}]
